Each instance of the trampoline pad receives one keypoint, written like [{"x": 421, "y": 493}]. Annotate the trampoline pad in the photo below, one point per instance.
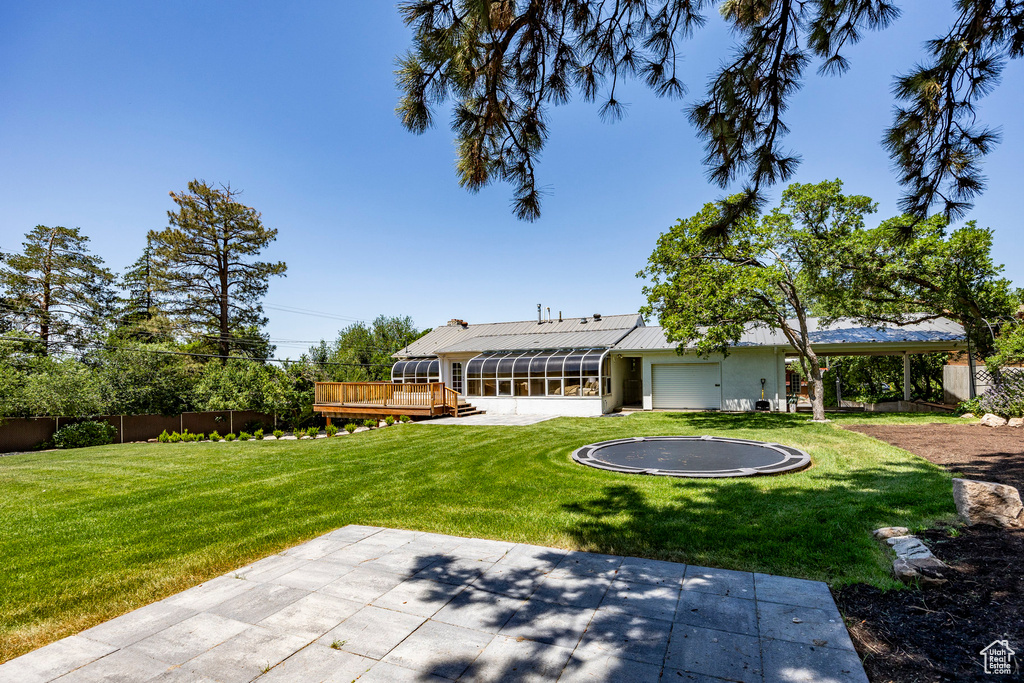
[{"x": 692, "y": 456}]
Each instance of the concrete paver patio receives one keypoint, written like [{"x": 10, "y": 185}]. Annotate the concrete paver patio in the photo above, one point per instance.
[{"x": 373, "y": 604}]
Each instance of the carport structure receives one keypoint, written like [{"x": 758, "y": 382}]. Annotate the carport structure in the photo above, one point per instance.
[{"x": 849, "y": 338}]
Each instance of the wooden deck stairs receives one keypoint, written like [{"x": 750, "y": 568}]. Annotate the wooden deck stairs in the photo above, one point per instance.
[{"x": 466, "y": 409}]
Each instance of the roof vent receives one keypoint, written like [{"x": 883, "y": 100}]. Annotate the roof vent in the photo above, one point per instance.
[
  {"x": 597, "y": 316},
  {"x": 455, "y": 322}
]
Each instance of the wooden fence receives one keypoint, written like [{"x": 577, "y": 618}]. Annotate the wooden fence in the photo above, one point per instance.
[{"x": 28, "y": 433}]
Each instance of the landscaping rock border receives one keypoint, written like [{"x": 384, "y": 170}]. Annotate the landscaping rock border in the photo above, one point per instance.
[{"x": 914, "y": 562}]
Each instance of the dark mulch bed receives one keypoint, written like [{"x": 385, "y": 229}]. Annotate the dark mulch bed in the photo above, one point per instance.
[
  {"x": 936, "y": 633},
  {"x": 992, "y": 454}
]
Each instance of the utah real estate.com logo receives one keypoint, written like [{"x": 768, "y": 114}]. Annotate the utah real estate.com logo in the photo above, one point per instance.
[{"x": 999, "y": 658}]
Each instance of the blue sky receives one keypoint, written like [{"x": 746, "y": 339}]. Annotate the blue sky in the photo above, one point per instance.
[{"x": 106, "y": 107}]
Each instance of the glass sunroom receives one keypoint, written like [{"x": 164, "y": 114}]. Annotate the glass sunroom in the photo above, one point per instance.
[
  {"x": 560, "y": 373},
  {"x": 416, "y": 371}
]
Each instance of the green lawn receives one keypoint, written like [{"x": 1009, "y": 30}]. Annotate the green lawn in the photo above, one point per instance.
[{"x": 89, "y": 534}]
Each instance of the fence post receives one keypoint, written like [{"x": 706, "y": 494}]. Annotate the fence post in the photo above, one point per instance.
[
  {"x": 972, "y": 379},
  {"x": 231, "y": 421},
  {"x": 122, "y": 428}
]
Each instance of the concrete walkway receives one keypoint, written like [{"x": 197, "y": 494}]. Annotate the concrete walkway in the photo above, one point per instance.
[
  {"x": 385, "y": 605},
  {"x": 489, "y": 420}
]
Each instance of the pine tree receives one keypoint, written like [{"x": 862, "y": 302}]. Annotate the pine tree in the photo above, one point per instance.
[
  {"x": 504, "y": 63},
  {"x": 207, "y": 257},
  {"x": 55, "y": 289},
  {"x": 141, "y": 307}
]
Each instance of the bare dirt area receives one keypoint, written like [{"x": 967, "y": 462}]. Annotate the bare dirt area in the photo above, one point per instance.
[
  {"x": 936, "y": 633},
  {"x": 987, "y": 453}
]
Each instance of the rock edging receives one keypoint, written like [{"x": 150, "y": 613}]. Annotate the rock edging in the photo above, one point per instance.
[{"x": 914, "y": 562}]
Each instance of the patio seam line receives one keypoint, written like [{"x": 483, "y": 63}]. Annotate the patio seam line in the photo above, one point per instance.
[
  {"x": 757, "y": 621},
  {"x": 585, "y": 630}
]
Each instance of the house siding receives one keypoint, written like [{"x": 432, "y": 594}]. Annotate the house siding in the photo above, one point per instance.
[{"x": 742, "y": 371}]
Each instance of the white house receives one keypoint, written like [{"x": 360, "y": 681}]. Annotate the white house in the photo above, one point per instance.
[{"x": 599, "y": 364}]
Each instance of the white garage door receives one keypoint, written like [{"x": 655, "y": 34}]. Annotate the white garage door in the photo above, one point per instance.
[{"x": 692, "y": 386}]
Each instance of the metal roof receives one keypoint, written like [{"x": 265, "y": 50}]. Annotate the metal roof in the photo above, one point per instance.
[
  {"x": 843, "y": 331},
  {"x": 514, "y": 336},
  {"x": 653, "y": 338},
  {"x": 591, "y": 339}
]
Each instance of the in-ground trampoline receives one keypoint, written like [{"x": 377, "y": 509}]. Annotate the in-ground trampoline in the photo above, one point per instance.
[{"x": 692, "y": 456}]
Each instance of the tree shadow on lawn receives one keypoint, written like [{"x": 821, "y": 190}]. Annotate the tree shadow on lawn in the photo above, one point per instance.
[
  {"x": 816, "y": 527},
  {"x": 729, "y": 421}
]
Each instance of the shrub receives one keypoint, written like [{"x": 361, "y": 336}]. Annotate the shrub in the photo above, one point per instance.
[
  {"x": 1006, "y": 399},
  {"x": 370, "y": 422},
  {"x": 244, "y": 436},
  {"x": 175, "y": 437},
  {"x": 200, "y": 437},
  {"x": 258, "y": 434},
  {"x": 165, "y": 437},
  {"x": 331, "y": 430},
  {"x": 214, "y": 436},
  {"x": 85, "y": 434},
  {"x": 278, "y": 433},
  {"x": 405, "y": 418},
  {"x": 970, "y": 406},
  {"x": 229, "y": 437},
  {"x": 189, "y": 437},
  {"x": 351, "y": 427},
  {"x": 389, "y": 420},
  {"x": 312, "y": 432}
]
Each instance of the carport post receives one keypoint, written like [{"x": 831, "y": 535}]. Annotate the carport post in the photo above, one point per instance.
[{"x": 906, "y": 376}]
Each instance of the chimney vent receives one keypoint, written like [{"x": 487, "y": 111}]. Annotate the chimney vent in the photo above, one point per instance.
[
  {"x": 455, "y": 322},
  {"x": 597, "y": 316}
]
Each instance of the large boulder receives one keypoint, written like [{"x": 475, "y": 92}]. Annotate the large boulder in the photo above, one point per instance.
[
  {"x": 1016, "y": 422},
  {"x": 990, "y": 420},
  {"x": 985, "y": 502}
]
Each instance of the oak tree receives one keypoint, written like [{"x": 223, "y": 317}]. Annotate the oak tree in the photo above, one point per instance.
[
  {"x": 763, "y": 274},
  {"x": 883, "y": 277}
]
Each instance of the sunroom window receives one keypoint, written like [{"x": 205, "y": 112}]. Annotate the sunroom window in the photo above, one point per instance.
[
  {"x": 417, "y": 370},
  {"x": 570, "y": 373}
]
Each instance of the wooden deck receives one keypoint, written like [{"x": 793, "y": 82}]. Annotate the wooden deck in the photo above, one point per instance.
[{"x": 380, "y": 399}]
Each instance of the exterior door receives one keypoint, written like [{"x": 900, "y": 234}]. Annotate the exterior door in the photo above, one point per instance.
[
  {"x": 457, "y": 377},
  {"x": 687, "y": 386}
]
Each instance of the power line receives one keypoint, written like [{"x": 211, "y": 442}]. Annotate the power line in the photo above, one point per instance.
[
  {"x": 242, "y": 341},
  {"x": 316, "y": 314},
  {"x": 110, "y": 347}
]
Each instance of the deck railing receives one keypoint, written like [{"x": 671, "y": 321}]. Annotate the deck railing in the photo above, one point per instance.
[{"x": 432, "y": 395}]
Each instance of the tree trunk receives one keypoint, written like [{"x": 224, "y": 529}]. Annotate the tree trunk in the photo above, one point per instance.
[
  {"x": 816, "y": 389},
  {"x": 225, "y": 330},
  {"x": 47, "y": 299}
]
